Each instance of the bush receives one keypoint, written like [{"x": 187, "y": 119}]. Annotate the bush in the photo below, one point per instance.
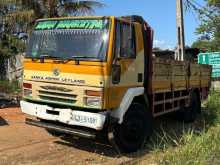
[
  {"x": 212, "y": 116},
  {"x": 8, "y": 87}
]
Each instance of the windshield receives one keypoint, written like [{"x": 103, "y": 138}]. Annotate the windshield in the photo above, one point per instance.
[{"x": 70, "y": 39}]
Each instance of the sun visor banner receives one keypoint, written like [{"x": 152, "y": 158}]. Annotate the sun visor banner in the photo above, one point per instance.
[{"x": 70, "y": 24}]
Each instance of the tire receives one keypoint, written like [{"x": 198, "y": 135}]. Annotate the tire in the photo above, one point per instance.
[
  {"x": 136, "y": 127},
  {"x": 199, "y": 110},
  {"x": 189, "y": 114}
]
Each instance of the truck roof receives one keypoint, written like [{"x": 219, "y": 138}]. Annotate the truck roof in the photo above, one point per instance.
[
  {"x": 75, "y": 17},
  {"x": 134, "y": 18}
]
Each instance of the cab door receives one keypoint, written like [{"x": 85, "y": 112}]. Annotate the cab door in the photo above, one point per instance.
[{"x": 128, "y": 61}]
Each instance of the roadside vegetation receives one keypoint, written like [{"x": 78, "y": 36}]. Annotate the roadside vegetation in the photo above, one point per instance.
[
  {"x": 10, "y": 87},
  {"x": 187, "y": 144},
  {"x": 208, "y": 30}
]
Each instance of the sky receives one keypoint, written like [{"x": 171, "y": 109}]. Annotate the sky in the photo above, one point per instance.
[{"x": 160, "y": 14}]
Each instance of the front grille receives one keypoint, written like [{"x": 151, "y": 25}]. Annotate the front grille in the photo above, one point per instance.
[{"x": 57, "y": 97}]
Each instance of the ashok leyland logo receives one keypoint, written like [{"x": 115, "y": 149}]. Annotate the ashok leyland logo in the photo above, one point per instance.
[{"x": 56, "y": 72}]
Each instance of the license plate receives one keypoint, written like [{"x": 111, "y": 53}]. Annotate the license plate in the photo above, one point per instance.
[{"x": 84, "y": 119}]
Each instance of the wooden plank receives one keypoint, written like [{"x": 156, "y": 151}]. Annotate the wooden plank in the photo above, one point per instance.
[
  {"x": 171, "y": 75},
  {"x": 171, "y": 100}
]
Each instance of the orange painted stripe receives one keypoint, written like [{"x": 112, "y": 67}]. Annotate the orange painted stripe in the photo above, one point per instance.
[
  {"x": 67, "y": 68},
  {"x": 48, "y": 61}
]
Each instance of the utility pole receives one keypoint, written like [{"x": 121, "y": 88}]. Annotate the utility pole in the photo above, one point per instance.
[{"x": 180, "y": 30}]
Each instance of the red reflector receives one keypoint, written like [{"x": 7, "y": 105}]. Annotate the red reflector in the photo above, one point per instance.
[{"x": 27, "y": 85}]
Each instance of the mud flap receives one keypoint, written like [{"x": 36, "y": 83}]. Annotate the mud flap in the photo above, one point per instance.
[{"x": 111, "y": 136}]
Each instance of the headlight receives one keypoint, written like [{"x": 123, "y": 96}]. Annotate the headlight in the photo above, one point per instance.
[{"x": 93, "y": 101}]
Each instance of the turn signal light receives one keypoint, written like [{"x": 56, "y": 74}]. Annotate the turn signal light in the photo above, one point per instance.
[
  {"x": 27, "y": 85},
  {"x": 94, "y": 93}
]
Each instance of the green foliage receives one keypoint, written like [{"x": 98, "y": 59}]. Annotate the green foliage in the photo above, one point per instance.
[
  {"x": 10, "y": 87},
  {"x": 27, "y": 11},
  {"x": 9, "y": 46},
  {"x": 199, "y": 148},
  {"x": 209, "y": 46},
  {"x": 209, "y": 28},
  {"x": 203, "y": 149},
  {"x": 213, "y": 109}
]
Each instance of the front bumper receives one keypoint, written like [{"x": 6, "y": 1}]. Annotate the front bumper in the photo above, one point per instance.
[{"x": 67, "y": 116}]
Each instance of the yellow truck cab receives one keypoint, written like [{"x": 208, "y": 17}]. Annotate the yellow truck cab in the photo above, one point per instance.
[{"x": 87, "y": 76}]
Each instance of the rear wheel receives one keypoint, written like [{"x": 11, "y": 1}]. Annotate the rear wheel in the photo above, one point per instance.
[
  {"x": 136, "y": 127},
  {"x": 189, "y": 114}
]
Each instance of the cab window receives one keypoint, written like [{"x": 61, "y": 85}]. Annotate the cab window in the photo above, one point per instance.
[{"x": 125, "y": 41}]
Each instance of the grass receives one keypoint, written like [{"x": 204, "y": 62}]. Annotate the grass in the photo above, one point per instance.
[
  {"x": 202, "y": 149},
  {"x": 188, "y": 144}
]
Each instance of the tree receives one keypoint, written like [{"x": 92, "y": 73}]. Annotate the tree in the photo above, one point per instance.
[
  {"x": 27, "y": 11},
  {"x": 57, "y": 8},
  {"x": 20, "y": 15},
  {"x": 209, "y": 29}
]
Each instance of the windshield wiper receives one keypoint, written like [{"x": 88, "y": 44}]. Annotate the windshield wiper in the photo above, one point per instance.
[
  {"x": 41, "y": 56},
  {"x": 78, "y": 58},
  {"x": 45, "y": 56},
  {"x": 48, "y": 56}
]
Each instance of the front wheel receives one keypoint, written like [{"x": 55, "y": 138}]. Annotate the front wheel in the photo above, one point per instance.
[{"x": 136, "y": 127}]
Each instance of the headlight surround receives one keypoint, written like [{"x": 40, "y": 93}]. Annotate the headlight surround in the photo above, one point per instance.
[
  {"x": 93, "y": 98},
  {"x": 93, "y": 101},
  {"x": 27, "y": 89},
  {"x": 27, "y": 92}
]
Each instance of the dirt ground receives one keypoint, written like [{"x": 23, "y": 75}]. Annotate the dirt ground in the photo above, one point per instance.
[{"x": 23, "y": 144}]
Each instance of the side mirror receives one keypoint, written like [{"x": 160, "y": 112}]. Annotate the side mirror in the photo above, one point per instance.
[{"x": 116, "y": 74}]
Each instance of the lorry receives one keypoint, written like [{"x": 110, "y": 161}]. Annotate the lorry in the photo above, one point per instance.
[{"x": 91, "y": 76}]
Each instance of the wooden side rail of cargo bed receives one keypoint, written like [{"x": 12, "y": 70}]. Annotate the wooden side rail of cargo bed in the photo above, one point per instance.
[
  {"x": 172, "y": 82},
  {"x": 169, "y": 101}
]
